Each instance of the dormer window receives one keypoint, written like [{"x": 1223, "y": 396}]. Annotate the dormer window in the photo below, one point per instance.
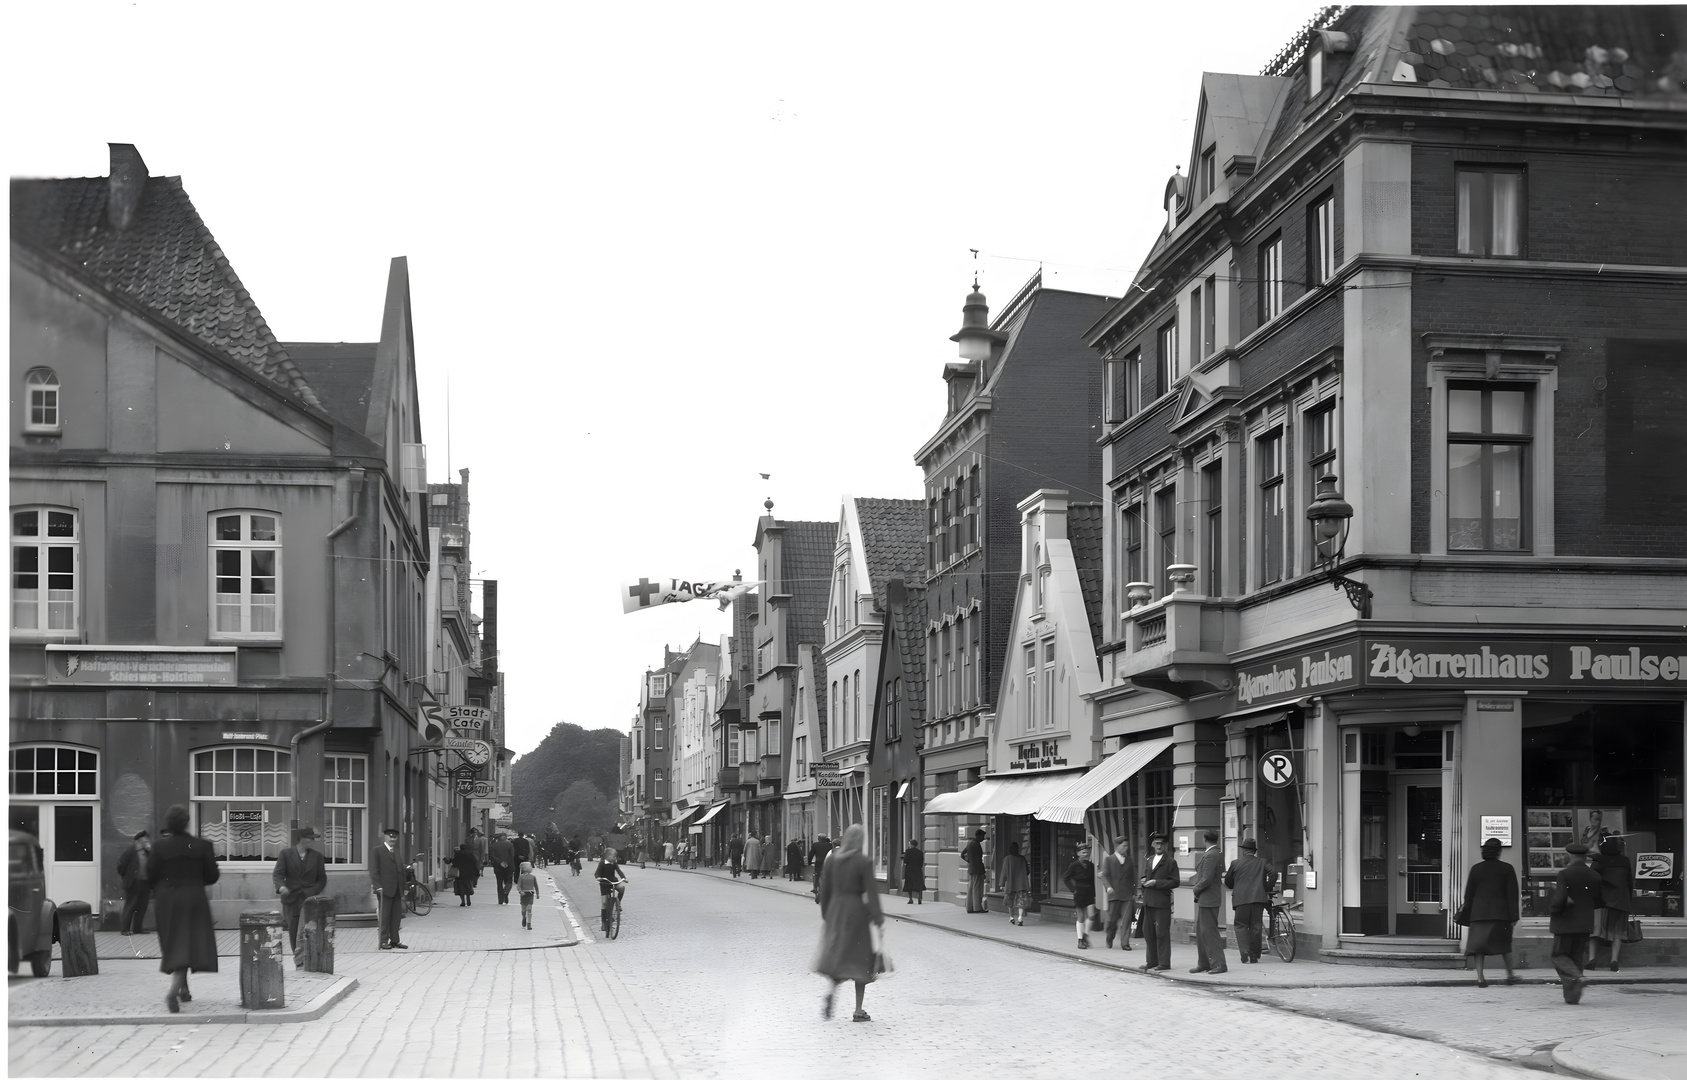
[
  {"x": 1320, "y": 64},
  {"x": 1177, "y": 191},
  {"x": 1209, "y": 172},
  {"x": 41, "y": 402}
]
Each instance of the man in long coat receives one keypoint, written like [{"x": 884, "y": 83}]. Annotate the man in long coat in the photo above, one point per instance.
[
  {"x": 1209, "y": 895},
  {"x": 817, "y": 853},
  {"x": 1116, "y": 872},
  {"x": 131, "y": 870},
  {"x": 1159, "y": 877},
  {"x": 1249, "y": 880},
  {"x": 386, "y": 877},
  {"x": 735, "y": 850},
  {"x": 502, "y": 854},
  {"x": 973, "y": 856},
  {"x": 1575, "y": 897},
  {"x": 300, "y": 873},
  {"x": 752, "y": 854}
]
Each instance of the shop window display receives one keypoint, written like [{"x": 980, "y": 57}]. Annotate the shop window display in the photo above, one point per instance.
[{"x": 1594, "y": 772}]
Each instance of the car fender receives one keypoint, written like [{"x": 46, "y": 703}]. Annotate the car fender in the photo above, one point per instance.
[{"x": 50, "y": 922}]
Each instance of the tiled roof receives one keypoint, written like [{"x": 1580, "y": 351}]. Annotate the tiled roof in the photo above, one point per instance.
[
  {"x": 908, "y": 625},
  {"x": 1084, "y": 530},
  {"x": 341, "y": 374},
  {"x": 806, "y": 572},
  {"x": 894, "y": 539},
  {"x": 165, "y": 259}
]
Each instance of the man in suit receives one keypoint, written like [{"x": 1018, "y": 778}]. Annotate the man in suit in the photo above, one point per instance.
[
  {"x": 503, "y": 865},
  {"x": 300, "y": 873},
  {"x": 1249, "y": 880},
  {"x": 1575, "y": 897},
  {"x": 1159, "y": 878},
  {"x": 131, "y": 869},
  {"x": 817, "y": 853},
  {"x": 1209, "y": 894},
  {"x": 1121, "y": 893},
  {"x": 386, "y": 875},
  {"x": 973, "y": 856}
]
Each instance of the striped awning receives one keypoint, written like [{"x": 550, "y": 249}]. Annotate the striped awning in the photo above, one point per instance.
[
  {"x": 713, "y": 810},
  {"x": 682, "y": 817},
  {"x": 1071, "y": 802},
  {"x": 1001, "y": 795}
]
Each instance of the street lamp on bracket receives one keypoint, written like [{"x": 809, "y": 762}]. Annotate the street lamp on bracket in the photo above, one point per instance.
[{"x": 1331, "y": 515}]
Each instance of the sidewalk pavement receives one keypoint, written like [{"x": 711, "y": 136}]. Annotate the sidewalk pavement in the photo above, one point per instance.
[
  {"x": 1646, "y": 1053},
  {"x": 129, "y": 988}
]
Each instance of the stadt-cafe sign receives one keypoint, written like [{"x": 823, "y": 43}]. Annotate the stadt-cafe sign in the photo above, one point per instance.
[
  {"x": 1474, "y": 663},
  {"x": 1037, "y": 754}
]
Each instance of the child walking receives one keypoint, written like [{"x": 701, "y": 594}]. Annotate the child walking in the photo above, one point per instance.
[{"x": 528, "y": 886}]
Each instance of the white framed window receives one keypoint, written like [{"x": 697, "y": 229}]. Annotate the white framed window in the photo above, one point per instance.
[
  {"x": 1030, "y": 688},
  {"x": 1321, "y": 240},
  {"x": 733, "y": 748},
  {"x": 241, "y": 797},
  {"x": 1165, "y": 358},
  {"x": 659, "y": 787},
  {"x": 41, "y": 402},
  {"x": 45, "y": 565},
  {"x": 1318, "y": 422},
  {"x": 1273, "y": 504},
  {"x": 1491, "y": 456},
  {"x": 1124, "y": 386},
  {"x": 1271, "y": 279},
  {"x": 1490, "y": 210},
  {"x": 345, "y": 803},
  {"x": 800, "y": 748},
  {"x": 245, "y": 567},
  {"x": 46, "y": 772},
  {"x": 656, "y": 734},
  {"x": 1048, "y": 682},
  {"x": 1212, "y": 545}
]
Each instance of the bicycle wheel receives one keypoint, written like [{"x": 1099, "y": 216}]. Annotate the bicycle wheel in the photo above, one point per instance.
[
  {"x": 615, "y": 921},
  {"x": 419, "y": 899},
  {"x": 1283, "y": 934}
]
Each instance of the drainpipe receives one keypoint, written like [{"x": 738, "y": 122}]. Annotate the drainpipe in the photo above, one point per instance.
[{"x": 356, "y": 477}]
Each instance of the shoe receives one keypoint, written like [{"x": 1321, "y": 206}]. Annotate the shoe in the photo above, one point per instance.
[
  {"x": 1109, "y": 943},
  {"x": 399, "y": 945},
  {"x": 184, "y": 995},
  {"x": 1573, "y": 991},
  {"x": 384, "y": 945},
  {"x": 172, "y": 1001},
  {"x": 1082, "y": 944},
  {"x": 1164, "y": 967},
  {"x": 860, "y": 1016},
  {"x": 1145, "y": 967},
  {"x": 1126, "y": 946},
  {"x": 1482, "y": 984},
  {"x": 128, "y": 933},
  {"x": 1511, "y": 980},
  {"x": 1616, "y": 967},
  {"x": 1199, "y": 971},
  {"x": 1217, "y": 971}
]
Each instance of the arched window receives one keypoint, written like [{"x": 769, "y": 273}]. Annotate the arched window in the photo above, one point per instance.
[
  {"x": 44, "y": 569},
  {"x": 240, "y": 801},
  {"x": 41, "y": 401},
  {"x": 245, "y": 566}
]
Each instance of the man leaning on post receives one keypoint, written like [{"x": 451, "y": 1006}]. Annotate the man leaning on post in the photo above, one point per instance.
[
  {"x": 300, "y": 873},
  {"x": 386, "y": 876}
]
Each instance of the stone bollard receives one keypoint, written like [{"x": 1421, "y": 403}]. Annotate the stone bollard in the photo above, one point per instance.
[
  {"x": 316, "y": 936},
  {"x": 77, "y": 955},
  {"x": 263, "y": 937}
]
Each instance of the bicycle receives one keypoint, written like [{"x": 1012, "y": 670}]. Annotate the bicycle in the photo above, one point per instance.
[
  {"x": 418, "y": 898},
  {"x": 614, "y": 913},
  {"x": 1280, "y": 931}
]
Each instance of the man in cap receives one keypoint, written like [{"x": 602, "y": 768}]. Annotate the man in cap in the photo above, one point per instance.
[
  {"x": 300, "y": 873},
  {"x": 1575, "y": 897},
  {"x": 386, "y": 876},
  {"x": 1209, "y": 894},
  {"x": 1159, "y": 877},
  {"x": 131, "y": 869},
  {"x": 1249, "y": 879},
  {"x": 502, "y": 853},
  {"x": 1116, "y": 871}
]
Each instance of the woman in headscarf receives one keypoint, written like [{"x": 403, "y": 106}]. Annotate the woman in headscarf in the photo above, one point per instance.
[
  {"x": 849, "y": 902},
  {"x": 1016, "y": 884},
  {"x": 1492, "y": 905},
  {"x": 182, "y": 865},
  {"x": 468, "y": 872},
  {"x": 1616, "y": 888},
  {"x": 914, "y": 872}
]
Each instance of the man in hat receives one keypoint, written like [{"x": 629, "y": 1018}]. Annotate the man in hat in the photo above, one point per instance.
[
  {"x": 1159, "y": 877},
  {"x": 1121, "y": 893},
  {"x": 503, "y": 865},
  {"x": 1575, "y": 897},
  {"x": 386, "y": 876},
  {"x": 973, "y": 856},
  {"x": 1209, "y": 895},
  {"x": 131, "y": 869},
  {"x": 300, "y": 873},
  {"x": 1250, "y": 880}
]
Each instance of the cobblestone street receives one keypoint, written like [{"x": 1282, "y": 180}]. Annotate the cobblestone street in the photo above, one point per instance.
[{"x": 709, "y": 978}]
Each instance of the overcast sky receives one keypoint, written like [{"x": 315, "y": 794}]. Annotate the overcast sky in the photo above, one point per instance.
[{"x": 655, "y": 250}]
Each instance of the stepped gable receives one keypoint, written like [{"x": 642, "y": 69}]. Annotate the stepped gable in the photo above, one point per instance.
[
  {"x": 1084, "y": 531},
  {"x": 893, "y": 534},
  {"x": 808, "y": 547},
  {"x": 164, "y": 259}
]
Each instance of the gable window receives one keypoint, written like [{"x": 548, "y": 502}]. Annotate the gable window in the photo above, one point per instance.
[
  {"x": 1321, "y": 240},
  {"x": 1320, "y": 426},
  {"x": 1165, "y": 360},
  {"x": 1165, "y": 524},
  {"x": 1271, "y": 279},
  {"x": 44, "y": 568},
  {"x": 41, "y": 402},
  {"x": 893, "y": 704},
  {"x": 241, "y": 798},
  {"x": 1212, "y": 479},
  {"x": 1490, "y": 208},
  {"x": 345, "y": 800},
  {"x": 1124, "y": 387},
  {"x": 245, "y": 575},
  {"x": 1030, "y": 688},
  {"x": 1488, "y": 443},
  {"x": 1209, "y": 171},
  {"x": 1272, "y": 506},
  {"x": 1048, "y": 683}
]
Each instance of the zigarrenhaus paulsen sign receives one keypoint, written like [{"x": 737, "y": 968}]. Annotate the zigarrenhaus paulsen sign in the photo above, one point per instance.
[{"x": 1484, "y": 663}]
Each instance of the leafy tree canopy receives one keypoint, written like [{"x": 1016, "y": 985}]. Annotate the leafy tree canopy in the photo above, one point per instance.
[{"x": 568, "y": 754}]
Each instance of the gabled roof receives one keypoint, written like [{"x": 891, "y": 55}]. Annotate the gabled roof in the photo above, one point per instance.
[
  {"x": 806, "y": 574},
  {"x": 1084, "y": 531},
  {"x": 893, "y": 538},
  {"x": 165, "y": 259},
  {"x": 342, "y": 375},
  {"x": 908, "y": 625}
]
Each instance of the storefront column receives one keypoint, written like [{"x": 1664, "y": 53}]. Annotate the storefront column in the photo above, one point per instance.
[
  {"x": 1322, "y": 769},
  {"x": 1491, "y": 778}
]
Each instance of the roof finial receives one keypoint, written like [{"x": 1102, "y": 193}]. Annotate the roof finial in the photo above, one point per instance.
[
  {"x": 769, "y": 504},
  {"x": 974, "y": 268}
]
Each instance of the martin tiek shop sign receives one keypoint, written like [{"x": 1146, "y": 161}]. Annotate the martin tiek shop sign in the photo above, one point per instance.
[{"x": 1484, "y": 663}]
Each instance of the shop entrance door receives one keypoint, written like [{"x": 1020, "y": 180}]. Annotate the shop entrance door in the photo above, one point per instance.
[
  {"x": 66, "y": 832},
  {"x": 1416, "y": 848}
]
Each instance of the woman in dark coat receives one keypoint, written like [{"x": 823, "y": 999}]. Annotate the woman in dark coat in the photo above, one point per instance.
[
  {"x": 914, "y": 872},
  {"x": 793, "y": 860},
  {"x": 468, "y": 872},
  {"x": 849, "y": 902},
  {"x": 1610, "y": 922},
  {"x": 1492, "y": 903},
  {"x": 182, "y": 865}
]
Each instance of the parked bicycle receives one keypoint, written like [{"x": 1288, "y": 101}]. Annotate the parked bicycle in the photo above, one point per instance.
[
  {"x": 418, "y": 898},
  {"x": 1280, "y": 930}
]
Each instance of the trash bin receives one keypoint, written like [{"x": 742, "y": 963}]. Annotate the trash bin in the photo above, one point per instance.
[
  {"x": 77, "y": 955},
  {"x": 316, "y": 936},
  {"x": 263, "y": 940}
]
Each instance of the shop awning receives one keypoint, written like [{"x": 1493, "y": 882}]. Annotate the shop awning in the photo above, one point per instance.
[
  {"x": 1247, "y": 721},
  {"x": 713, "y": 810},
  {"x": 682, "y": 817},
  {"x": 1001, "y": 795},
  {"x": 1071, "y": 802}
]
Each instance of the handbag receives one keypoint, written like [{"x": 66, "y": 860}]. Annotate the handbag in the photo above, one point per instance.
[
  {"x": 1632, "y": 932},
  {"x": 882, "y": 964},
  {"x": 450, "y": 871},
  {"x": 1462, "y": 915}
]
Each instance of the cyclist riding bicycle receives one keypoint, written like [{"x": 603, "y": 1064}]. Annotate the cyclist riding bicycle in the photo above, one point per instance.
[{"x": 611, "y": 882}]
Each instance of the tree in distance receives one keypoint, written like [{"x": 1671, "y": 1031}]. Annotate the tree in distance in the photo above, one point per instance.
[{"x": 582, "y": 810}]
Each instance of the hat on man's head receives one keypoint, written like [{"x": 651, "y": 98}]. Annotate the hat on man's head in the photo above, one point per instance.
[
  {"x": 305, "y": 833},
  {"x": 1210, "y": 836},
  {"x": 979, "y": 834},
  {"x": 143, "y": 835},
  {"x": 1156, "y": 836},
  {"x": 1576, "y": 849},
  {"x": 389, "y": 832},
  {"x": 1249, "y": 845}
]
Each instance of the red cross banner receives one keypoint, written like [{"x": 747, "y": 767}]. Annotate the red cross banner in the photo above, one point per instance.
[{"x": 654, "y": 592}]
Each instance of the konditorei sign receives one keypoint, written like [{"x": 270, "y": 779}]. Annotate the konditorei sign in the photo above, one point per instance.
[
  {"x": 83, "y": 665},
  {"x": 1474, "y": 664}
]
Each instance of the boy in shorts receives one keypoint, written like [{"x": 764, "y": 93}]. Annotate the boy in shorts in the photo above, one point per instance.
[{"x": 528, "y": 886}]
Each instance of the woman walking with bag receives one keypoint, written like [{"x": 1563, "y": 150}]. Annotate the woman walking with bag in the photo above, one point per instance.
[
  {"x": 1491, "y": 908},
  {"x": 182, "y": 865},
  {"x": 1016, "y": 884},
  {"x": 1610, "y": 923},
  {"x": 468, "y": 872},
  {"x": 849, "y": 902}
]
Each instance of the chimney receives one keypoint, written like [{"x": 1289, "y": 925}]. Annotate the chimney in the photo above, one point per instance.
[{"x": 128, "y": 179}]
